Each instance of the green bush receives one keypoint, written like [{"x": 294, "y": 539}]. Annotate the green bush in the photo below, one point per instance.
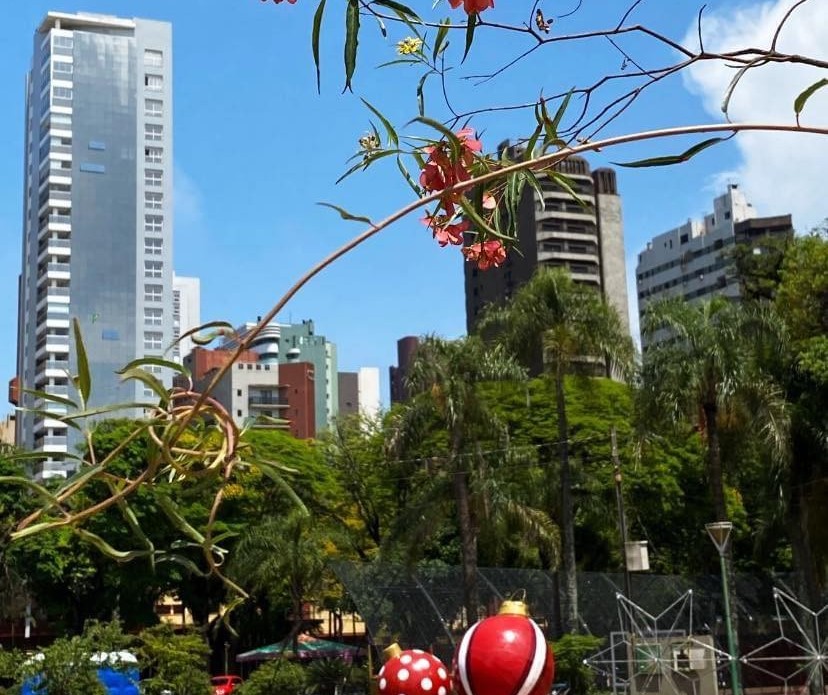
[
  {"x": 570, "y": 652},
  {"x": 64, "y": 668},
  {"x": 275, "y": 678},
  {"x": 176, "y": 662}
]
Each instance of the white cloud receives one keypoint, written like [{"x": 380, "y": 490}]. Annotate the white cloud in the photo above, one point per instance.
[{"x": 780, "y": 172}]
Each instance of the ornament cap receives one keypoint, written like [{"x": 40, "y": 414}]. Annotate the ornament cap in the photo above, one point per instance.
[
  {"x": 392, "y": 651},
  {"x": 514, "y": 608}
]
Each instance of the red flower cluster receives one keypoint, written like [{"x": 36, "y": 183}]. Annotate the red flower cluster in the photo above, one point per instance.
[
  {"x": 440, "y": 172},
  {"x": 487, "y": 254},
  {"x": 473, "y": 6}
]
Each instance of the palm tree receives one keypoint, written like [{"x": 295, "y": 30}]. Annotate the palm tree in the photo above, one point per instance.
[
  {"x": 703, "y": 368},
  {"x": 563, "y": 328},
  {"x": 444, "y": 382},
  {"x": 282, "y": 557}
]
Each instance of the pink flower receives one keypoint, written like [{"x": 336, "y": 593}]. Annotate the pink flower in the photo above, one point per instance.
[
  {"x": 487, "y": 254},
  {"x": 444, "y": 232},
  {"x": 440, "y": 172},
  {"x": 472, "y": 6},
  {"x": 489, "y": 202}
]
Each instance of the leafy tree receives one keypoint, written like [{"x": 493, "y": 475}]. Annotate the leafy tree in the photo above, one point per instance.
[
  {"x": 802, "y": 301},
  {"x": 279, "y": 677},
  {"x": 571, "y": 329},
  {"x": 176, "y": 662},
  {"x": 65, "y": 668},
  {"x": 444, "y": 382}
]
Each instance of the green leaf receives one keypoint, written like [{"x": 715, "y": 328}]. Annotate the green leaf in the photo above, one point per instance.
[
  {"x": 102, "y": 410},
  {"x": 398, "y": 7},
  {"x": 366, "y": 162},
  {"x": 345, "y": 215},
  {"x": 389, "y": 129},
  {"x": 442, "y": 32},
  {"x": 51, "y": 397},
  {"x": 407, "y": 177},
  {"x": 421, "y": 94},
  {"x": 317, "y": 28},
  {"x": 351, "y": 40},
  {"x": 84, "y": 380},
  {"x": 564, "y": 183},
  {"x": 672, "y": 159},
  {"x": 107, "y": 549},
  {"x": 154, "y": 361},
  {"x": 799, "y": 102},
  {"x": 559, "y": 114},
  {"x": 149, "y": 380},
  {"x": 453, "y": 140},
  {"x": 471, "y": 23}
]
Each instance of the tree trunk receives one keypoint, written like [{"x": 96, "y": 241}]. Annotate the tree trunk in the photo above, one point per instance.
[
  {"x": 468, "y": 542},
  {"x": 717, "y": 492},
  {"x": 570, "y": 577}
]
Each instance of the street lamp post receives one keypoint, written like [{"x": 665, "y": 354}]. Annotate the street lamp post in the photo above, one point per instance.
[{"x": 719, "y": 533}]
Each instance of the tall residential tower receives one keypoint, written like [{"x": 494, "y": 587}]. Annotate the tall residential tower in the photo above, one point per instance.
[
  {"x": 97, "y": 225},
  {"x": 556, "y": 231}
]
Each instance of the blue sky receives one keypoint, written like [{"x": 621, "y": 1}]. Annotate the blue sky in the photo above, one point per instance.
[{"x": 256, "y": 148}]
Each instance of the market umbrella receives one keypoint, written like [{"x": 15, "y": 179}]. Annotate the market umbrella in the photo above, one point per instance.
[{"x": 308, "y": 647}]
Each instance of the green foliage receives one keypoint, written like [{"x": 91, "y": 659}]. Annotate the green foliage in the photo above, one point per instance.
[
  {"x": 570, "y": 652},
  {"x": 173, "y": 661},
  {"x": 65, "y": 668},
  {"x": 280, "y": 677},
  {"x": 326, "y": 676}
]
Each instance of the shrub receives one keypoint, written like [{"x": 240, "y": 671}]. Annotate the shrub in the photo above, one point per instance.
[
  {"x": 570, "y": 652},
  {"x": 278, "y": 677}
]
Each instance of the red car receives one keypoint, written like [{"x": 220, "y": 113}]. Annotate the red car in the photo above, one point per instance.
[{"x": 224, "y": 685}]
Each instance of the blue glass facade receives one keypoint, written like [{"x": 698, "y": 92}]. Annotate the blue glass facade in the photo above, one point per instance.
[{"x": 98, "y": 214}]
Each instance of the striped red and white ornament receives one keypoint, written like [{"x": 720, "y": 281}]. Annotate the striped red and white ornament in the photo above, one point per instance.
[{"x": 505, "y": 654}]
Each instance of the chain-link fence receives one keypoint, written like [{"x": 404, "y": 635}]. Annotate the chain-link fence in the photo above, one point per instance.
[{"x": 423, "y": 606}]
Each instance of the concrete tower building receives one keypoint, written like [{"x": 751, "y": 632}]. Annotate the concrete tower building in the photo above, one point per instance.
[
  {"x": 693, "y": 260},
  {"x": 97, "y": 223},
  {"x": 556, "y": 231}
]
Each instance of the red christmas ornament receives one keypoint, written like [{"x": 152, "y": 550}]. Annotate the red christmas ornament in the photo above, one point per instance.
[
  {"x": 413, "y": 672},
  {"x": 504, "y": 655}
]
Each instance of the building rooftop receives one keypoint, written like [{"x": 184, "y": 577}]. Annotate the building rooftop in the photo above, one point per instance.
[{"x": 81, "y": 20}]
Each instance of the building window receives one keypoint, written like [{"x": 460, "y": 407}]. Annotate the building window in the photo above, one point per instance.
[
  {"x": 61, "y": 68},
  {"x": 153, "y": 269},
  {"x": 62, "y": 93},
  {"x": 154, "y": 83},
  {"x": 95, "y": 144},
  {"x": 153, "y": 107},
  {"x": 152, "y": 340},
  {"x": 63, "y": 42},
  {"x": 153, "y": 59},
  {"x": 238, "y": 392},
  {"x": 153, "y": 224},
  {"x": 153, "y": 200},
  {"x": 153, "y": 293},
  {"x": 153, "y": 177},
  {"x": 153, "y": 316},
  {"x": 153, "y": 247},
  {"x": 153, "y": 155},
  {"x": 153, "y": 132},
  {"x": 93, "y": 168}
]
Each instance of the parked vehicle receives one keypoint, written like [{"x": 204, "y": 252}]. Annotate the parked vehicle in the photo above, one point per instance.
[{"x": 224, "y": 685}]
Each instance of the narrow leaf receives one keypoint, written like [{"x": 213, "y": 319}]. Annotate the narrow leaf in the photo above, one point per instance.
[
  {"x": 351, "y": 40},
  {"x": 51, "y": 397},
  {"x": 398, "y": 7},
  {"x": 559, "y": 114},
  {"x": 799, "y": 103},
  {"x": 317, "y": 28},
  {"x": 154, "y": 361},
  {"x": 345, "y": 215},
  {"x": 453, "y": 140},
  {"x": 389, "y": 129},
  {"x": 84, "y": 379},
  {"x": 470, "y": 26},
  {"x": 421, "y": 94},
  {"x": 442, "y": 32},
  {"x": 672, "y": 159}
]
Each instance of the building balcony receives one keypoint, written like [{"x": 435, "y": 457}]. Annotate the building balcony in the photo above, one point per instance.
[
  {"x": 570, "y": 256},
  {"x": 49, "y": 348},
  {"x": 581, "y": 215},
  {"x": 266, "y": 402},
  {"x": 48, "y": 423}
]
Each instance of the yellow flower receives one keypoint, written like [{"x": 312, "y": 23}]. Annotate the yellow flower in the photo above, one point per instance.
[{"x": 409, "y": 45}]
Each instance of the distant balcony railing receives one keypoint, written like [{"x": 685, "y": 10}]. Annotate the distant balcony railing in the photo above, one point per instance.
[{"x": 267, "y": 401}]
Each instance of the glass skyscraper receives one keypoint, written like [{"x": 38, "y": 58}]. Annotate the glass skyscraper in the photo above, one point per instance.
[{"x": 97, "y": 225}]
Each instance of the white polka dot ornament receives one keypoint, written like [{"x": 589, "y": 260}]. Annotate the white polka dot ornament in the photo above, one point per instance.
[
  {"x": 505, "y": 654},
  {"x": 412, "y": 672}
]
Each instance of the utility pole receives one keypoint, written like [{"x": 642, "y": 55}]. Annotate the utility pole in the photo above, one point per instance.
[{"x": 622, "y": 520}]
